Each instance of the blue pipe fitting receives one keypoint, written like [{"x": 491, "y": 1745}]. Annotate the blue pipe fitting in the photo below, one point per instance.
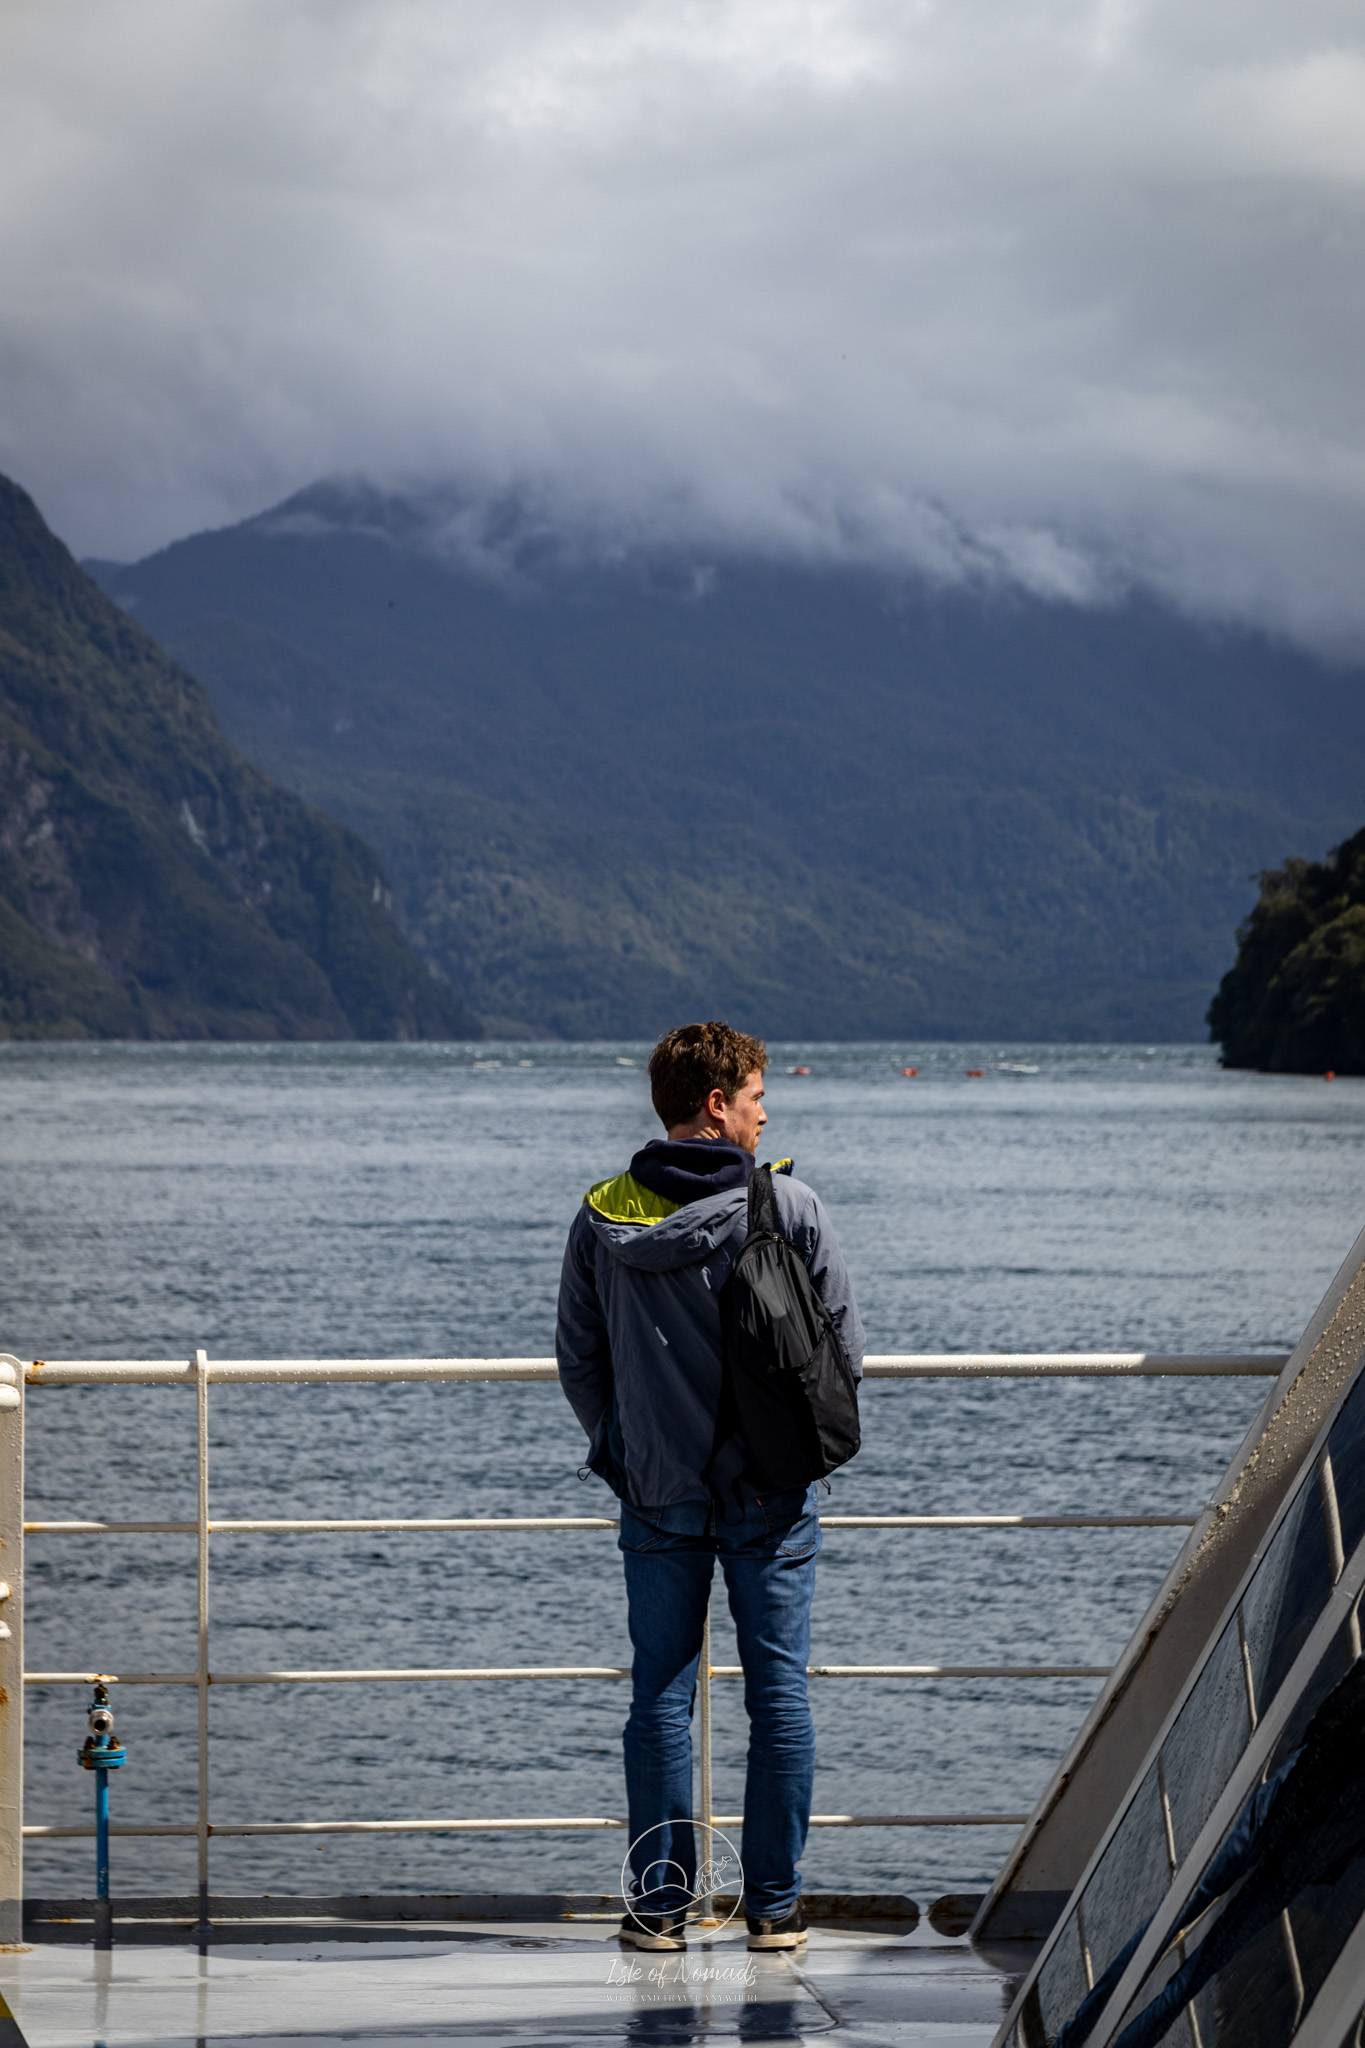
[{"x": 101, "y": 1754}]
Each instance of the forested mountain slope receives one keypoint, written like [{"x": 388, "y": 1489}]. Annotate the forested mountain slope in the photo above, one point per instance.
[
  {"x": 153, "y": 882},
  {"x": 619, "y": 788}
]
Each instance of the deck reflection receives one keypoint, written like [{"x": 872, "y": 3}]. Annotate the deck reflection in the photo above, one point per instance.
[{"x": 541, "y": 1984}]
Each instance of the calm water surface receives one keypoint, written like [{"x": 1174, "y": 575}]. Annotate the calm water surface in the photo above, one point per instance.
[{"x": 372, "y": 1201}]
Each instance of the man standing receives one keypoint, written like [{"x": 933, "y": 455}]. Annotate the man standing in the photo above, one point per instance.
[{"x": 639, "y": 1349}]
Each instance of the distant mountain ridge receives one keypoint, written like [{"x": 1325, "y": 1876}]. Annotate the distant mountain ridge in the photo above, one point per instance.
[
  {"x": 153, "y": 882},
  {"x": 617, "y": 784}
]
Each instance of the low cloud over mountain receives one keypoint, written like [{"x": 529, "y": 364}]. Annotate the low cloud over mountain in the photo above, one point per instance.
[{"x": 1064, "y": 297}]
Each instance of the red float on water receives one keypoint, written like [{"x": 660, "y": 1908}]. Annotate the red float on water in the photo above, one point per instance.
[
  {"x": 909, "y": 1072},
  {"x": 1330, "y": 1075},
  {"x": 976, "y": 1073},
  {"x": 798, "y": 1070}
]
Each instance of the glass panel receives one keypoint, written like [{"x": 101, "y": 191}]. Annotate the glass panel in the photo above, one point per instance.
[
  {"x": 1347, "y": 1446},
  {"x": 1202, "y": 1749},
  {"x": 1061, "y": 1982},
  {"x": 1322, "y": 1918},
  {"x": 1132, "y": 1876},
  {"x": 1286, "y": 1596},
  {"x": 1255, "y": 2002},
  {"x": 1336, "y": 1662},
  {"x": 1172, "y": 2031},
  {"x": 1205, "y": 1743},
  {"x": 1285, "y": 1888}
]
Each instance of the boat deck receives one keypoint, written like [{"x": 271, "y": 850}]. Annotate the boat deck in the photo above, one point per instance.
[{"x": 494, "y": 1983}]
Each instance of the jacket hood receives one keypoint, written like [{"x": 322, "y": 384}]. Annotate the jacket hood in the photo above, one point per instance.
[
  {"x": 653, "y": 1231},
  {"x": 686, "y": 1169},
  {"x": 691, "y": 1232}
]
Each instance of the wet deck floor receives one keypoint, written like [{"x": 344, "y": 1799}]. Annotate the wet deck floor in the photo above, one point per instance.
[{"x": 492, "y": 1985}]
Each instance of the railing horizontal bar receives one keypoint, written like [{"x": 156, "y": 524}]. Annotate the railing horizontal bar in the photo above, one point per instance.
[
  {"x": 73, "y": 1372},
  {"x": 111, "y": 1677},
  {"x": 1008, "y": 1521},
  {"x": 461, "y": 1525},
  {"x": 174, "y": 1372},
  {"x": 462, "y": 1827},
  {"x": 375, "y": 1526},
  {"x": 938, "y": 1670},
  {"x": 902, "y": 1820},
  {"x": 950, "y": 1365},
  {"x": 474, "y": 1674}
]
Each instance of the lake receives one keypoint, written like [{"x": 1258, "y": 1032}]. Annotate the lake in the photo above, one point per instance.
[{"x": 413, "y": 1200}]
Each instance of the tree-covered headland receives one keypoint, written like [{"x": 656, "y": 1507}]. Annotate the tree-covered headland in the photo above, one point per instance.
[{"x": 1293, "y": 1001}]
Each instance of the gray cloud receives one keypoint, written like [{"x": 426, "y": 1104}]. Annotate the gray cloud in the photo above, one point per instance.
[{"x": 1068, "y": 292}]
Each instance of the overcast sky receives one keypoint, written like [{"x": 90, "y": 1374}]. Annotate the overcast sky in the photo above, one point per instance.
[{"x": 1066, "y": 290}]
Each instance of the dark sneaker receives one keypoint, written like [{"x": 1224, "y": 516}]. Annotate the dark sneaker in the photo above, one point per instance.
[
  {"x": 787, "y": 1933},
  {"x": 654, "y": 1930}
]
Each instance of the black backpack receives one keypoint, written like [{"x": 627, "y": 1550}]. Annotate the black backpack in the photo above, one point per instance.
[{"x": 789, "y": 1402}]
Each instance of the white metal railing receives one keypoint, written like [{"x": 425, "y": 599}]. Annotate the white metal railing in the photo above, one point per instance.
[
  {"x": 898, "y": 1365},
  {"x": 200, "y": 1373}
]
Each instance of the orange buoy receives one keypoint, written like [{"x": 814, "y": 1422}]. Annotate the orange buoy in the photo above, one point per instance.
[
  {"x": 798, "y": 1070},
  {"x": 976, "y": 1073},
  {"x": 909, "y": 1072},
  {"x": 1330, "y": 1075}
]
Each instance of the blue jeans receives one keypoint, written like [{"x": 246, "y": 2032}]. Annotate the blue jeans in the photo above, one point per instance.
[{"x": 768, "y": 1559}]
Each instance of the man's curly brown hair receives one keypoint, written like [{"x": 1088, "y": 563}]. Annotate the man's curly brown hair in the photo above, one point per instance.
[{"x": 688, "y": 1063}]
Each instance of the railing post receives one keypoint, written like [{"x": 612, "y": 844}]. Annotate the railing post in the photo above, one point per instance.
[
  {"x": 707, "y": 1903},
  {"x": 201, "y": 1383},
  {"x": 11, "y": 1651}
]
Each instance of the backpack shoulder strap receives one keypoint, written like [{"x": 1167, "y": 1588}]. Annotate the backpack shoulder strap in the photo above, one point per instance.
[{"x": 763, "y": 1202}]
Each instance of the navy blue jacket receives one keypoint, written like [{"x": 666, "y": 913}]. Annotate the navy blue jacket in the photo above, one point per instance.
[{"x": 638, "y": 1333}]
